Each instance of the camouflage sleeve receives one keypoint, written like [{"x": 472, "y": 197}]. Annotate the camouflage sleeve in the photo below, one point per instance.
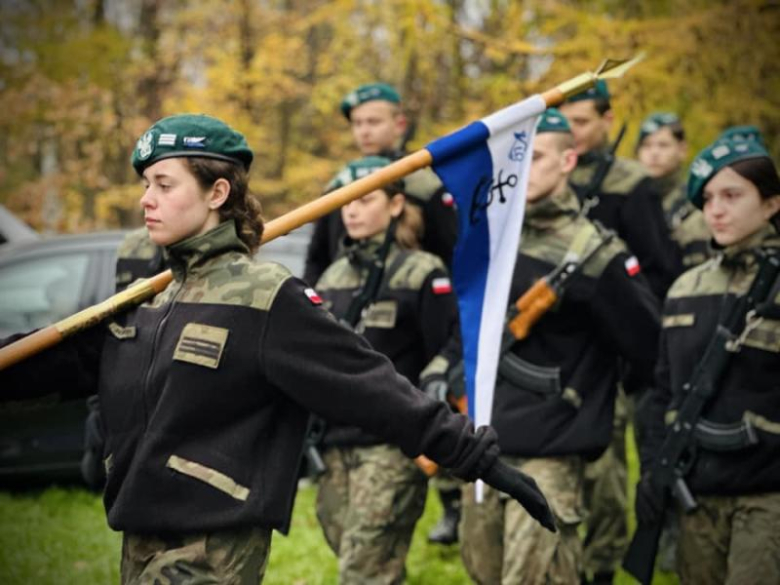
[
  {"x": 645, "y": 232},
  {"x": 334, "y": 373},
  {"x": 623, "y": 297}
]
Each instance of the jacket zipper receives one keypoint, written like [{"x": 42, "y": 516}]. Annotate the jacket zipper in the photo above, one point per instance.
[{"x": 155, "y": 339}]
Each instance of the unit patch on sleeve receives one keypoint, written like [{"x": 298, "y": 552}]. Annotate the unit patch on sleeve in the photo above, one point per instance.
[
  {"x": 313, "y": 296},
  {"x": 632, "y": 266},
  {"x": 201, "y": 344},
  {"x": 441, "y": 286}
]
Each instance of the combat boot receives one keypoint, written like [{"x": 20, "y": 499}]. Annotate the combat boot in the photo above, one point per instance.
[{"x": 446, "y": 530}]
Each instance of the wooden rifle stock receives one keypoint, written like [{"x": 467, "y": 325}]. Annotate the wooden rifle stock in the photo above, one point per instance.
[{"x": 534, "y": 303}]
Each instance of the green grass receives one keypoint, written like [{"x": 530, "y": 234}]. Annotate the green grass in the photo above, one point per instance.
[{"x": 60, "y": 536}]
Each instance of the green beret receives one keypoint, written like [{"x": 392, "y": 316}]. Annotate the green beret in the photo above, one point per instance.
[
  {"x": 552, "y": 120},
  {"x": 715, "y": 157},
  {"x": 598, "y": 91},
  {"x": 654, "y": 122},
  {"x": 743, "y": 133},
  {"x": 357, "y": 169},
  {"x": 367, "y": 93},
  {"x": 190, "y": 135}
]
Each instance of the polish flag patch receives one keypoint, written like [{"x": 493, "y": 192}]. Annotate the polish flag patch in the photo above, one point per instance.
[
  {"x": 313, "y": 296},
  {"x": 447, "y": 199},
  {"x": 441, "y": 286},
  {"x": 632, "y": 266}
]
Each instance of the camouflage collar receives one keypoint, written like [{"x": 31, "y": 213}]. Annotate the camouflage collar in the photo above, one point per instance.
[
  {"x": 592, "y": 156},
  {"x": 186, "y": 256},
  {"x": 744, "y": 253},
  {"x": 553, "y": 211},
  {"x": 361, "y": 253}
]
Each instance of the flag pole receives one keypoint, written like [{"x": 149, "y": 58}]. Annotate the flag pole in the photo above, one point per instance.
[{"x": 147, "y": 288}]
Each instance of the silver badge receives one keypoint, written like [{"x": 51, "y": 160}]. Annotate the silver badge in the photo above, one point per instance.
[
  {"x": 144, "y": 146},
  {"x": 701, "y": 168}
]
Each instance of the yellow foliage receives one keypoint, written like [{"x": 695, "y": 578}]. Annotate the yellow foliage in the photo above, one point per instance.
[{"x": 77, "y": 93}]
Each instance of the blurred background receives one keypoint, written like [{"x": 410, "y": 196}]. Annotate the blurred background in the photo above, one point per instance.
[{"x": 80, "y": 80}]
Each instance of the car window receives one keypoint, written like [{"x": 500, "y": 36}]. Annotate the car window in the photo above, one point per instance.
[{"x": 40, "y": 291}]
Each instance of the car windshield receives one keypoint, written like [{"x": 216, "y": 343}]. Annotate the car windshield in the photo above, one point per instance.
[{"x": 39, "y": 292}]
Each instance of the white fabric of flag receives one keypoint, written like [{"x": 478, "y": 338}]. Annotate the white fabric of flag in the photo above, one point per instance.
[{"x": 485, "y": 167}]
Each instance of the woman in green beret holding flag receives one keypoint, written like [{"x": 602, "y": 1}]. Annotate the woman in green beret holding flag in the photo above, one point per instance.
[
  {"x": 206, "y": 389},
  {"x": 734, "y": 476}
]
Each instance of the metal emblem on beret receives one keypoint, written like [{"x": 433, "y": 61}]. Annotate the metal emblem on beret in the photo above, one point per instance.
[
  {"x": 352, "y": 99},
  {"x": 701, "y": 168},
  {"x": 720, "y": 151},
  {"x": 650, "y": 126},
  {"x": 144, "y": 146}
]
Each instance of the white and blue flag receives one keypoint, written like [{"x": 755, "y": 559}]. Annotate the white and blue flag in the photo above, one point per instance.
[{"x": 485, "y": 167}]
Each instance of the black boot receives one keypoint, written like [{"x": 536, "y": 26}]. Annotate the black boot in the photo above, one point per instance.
[{"x": 446, "y": 530}]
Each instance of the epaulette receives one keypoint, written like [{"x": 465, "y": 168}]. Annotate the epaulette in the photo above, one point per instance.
[{"x": 414, "y": 269}]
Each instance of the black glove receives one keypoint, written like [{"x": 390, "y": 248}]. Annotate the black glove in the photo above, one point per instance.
[
  {"x": 649, "y": 501},
  {"x": 522, "y": 488},
  {"x": 435, "y": 386}
]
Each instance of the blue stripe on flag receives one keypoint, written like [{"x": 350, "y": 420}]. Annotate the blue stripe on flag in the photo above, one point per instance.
[{"x": 463, "y": 159}]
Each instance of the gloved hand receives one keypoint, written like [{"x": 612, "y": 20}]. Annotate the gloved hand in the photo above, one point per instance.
[
  {"x": 522, "y": 488},
  {"x": 649, "y": 501},
  {"x": 435, "y": 386}
]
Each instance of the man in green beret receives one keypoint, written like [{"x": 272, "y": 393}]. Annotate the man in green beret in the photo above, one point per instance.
[
  {"x": 662, "y": 149},
  {"x": 379, "y": 127},
  {"x": 619, "y": 194},
  {"x": 556, "y": 387}
]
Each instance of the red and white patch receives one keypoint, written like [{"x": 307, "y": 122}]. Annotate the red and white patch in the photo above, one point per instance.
[
  {"x": 447, "y": 199},
  {"x": 632, "y": 266},
  {"x": 441, "y": 286},
  {"x": 313, "y": 296}
]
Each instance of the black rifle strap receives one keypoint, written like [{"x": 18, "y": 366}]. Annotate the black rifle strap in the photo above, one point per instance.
[
  {"x": 369, "y": 292},
  {"x": 587, "y": 196}
]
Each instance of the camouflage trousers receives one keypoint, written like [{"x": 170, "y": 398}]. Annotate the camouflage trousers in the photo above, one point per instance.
[
  {"x": 606, "y": 500},
  {"x": 368, "y": 503},
  {"x": 731, "y": 541},
  {"x": 229, "y": 557},
  {"x": 502, "y": 543}
]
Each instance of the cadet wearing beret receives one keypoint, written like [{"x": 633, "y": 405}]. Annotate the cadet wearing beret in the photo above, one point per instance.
[
  {"x": 661, "y": 148},
  {"x": 624, "y": 199},
  {"x": 379, "y": 127},
  {"x": 207, "y": 388},
  {"x": 372, "y": 495},
  {"x": 734, "y": 476},
  {"x": 555, "y": 392}
]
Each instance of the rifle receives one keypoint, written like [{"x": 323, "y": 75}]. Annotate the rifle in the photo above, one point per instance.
[
  {"x": 677, "y": 456},
  {"x": 530, "y": 307},
  {"x": 317, "y": 426},
  {"x": 588, "y": 196}
]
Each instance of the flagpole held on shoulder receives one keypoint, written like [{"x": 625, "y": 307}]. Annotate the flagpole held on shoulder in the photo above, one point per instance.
[{"x": 145, "y": 289}]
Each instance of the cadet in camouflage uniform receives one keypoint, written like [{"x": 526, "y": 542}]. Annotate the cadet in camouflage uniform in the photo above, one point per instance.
[
  {"x": 371, "y": 495},
  {"x": 627, "y": 201},
  {"x": 661, "y": 148},
  {"x": 379, "y": 127},
  {"x": 206, "y": 389},
  {"x": 732, "y": 537},
  {"x": 555, "y": 393}
]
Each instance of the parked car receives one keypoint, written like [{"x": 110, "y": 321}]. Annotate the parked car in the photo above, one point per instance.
[
  {"x": 13, "y": 229},
  {"x": 46, "y": 280}
]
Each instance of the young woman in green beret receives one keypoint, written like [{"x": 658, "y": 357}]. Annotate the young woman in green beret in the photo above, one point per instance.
[
  {"x": 206, "y": 390},
  {"x": 731, "y": 537},
  {"x": 372, "y": 495}
]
